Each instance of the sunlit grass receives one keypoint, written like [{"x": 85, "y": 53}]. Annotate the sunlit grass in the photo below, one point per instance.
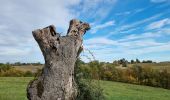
[
  {"x": 14, "y": 88},
  {"x": 123, "y": 91}
]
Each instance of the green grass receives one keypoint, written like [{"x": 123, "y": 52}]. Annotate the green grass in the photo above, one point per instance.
[
  {"x": 123, "y": 91},
  {"x": 14, "y": 88}
]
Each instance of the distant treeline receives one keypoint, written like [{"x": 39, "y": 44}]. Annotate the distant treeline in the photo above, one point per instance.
[
  {"x": 135, "y": 74},
  {"x": 124, "y": 62},
  {"x": 20, "y": 63},
  {"x": 121, "y": 61},
  {"x": 6, "y": 70}
]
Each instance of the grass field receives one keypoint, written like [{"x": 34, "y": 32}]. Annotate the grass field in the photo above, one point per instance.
[
  {"x": 123, "y": 91},
  {"x": 14, "y": 88},
  {"x": 157, "y": 66}
]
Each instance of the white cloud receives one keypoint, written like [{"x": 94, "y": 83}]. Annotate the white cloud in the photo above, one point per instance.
[
  {"x": 158, "y": 24},
  {"x": 131, "y": 26},
  {"x": 102, "y": 43},
  {"x": 146, "y": 35},
  {"x": 6, "y": 51},
  {"x": 130, "y": 12},
  {"x": 99, "y": 41},
  {"x": 101, "y": 26},
  {"x": 158, "y": 1},
  {"x": 95, "y": 9},
  {"x": 123, "y": 13},
  {"x": 130, "y": 46},
  {"x": 140, "y": 43},
  {"x": 19, "y": 18},
  {"x": 151, "y": 49},
  {"x": 111, "y": 49},
  {"x": 139, "y": 36}
]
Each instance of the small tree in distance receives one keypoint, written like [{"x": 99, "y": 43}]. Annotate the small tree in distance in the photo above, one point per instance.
[{"x": 137, "y": 61}]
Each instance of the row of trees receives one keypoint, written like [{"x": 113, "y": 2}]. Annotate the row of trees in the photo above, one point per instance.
[
  {"x": 20, "y": 63},
  {"x": 135, "y": 74},
  {"x": 7, "y": 70},
  {"x": 124, "y": 62}
]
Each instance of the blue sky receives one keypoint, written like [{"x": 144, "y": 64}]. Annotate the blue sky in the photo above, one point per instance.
[{"x": 119, "y": 28}]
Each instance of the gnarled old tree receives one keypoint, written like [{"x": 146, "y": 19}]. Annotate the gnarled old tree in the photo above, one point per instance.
[{"x": 56, "y": 81}]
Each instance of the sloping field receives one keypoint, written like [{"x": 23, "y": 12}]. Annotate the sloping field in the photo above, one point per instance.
[
  {"x": 14, "y": 88},
  {"x": 31, "y": 68},
  {"x": 123, "y": 91}
]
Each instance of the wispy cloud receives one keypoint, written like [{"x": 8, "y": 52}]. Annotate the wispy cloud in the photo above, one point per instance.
[
  {"x": 95, "y": 9},
  {"x": 111, "y": 49},
  {"x": 123, "y": 13},
  {"x": 130, "y": 12},
  {"x": 101, "y": 26},
  {"x": 133, "y": 25},
  {"x": 158, "y": 24},
  {"x": 134, "y": 44},
  {"x": 158, "y": 1},
  {"x": 164, "y": 47},
  {"x": 99, "y": 41},
  {"x": 6, "y": 51},
  {"x": 19, "y": 18},
  {"x": 95, "y": 43},
  {"x": 151, "y": 34},
  {"x": 132, "y": 34}
]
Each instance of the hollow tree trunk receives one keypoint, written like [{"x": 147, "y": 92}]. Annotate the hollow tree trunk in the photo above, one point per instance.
[{"x": 60, "y": 53}]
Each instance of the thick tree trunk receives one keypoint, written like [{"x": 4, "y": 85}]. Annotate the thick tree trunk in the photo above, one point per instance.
[{"x": 60, "y": 53}]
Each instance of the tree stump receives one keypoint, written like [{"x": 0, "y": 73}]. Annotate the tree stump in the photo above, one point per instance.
[{"x": 56, "y": 81}]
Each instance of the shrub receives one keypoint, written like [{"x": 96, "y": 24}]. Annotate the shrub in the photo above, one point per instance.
[
  {"x": 7, "y": 70},
  {"x": 87, "y": 87},
  {"x": 89, "y": 90},
  {"x": 28, "y": 74},
  {"x": 13, "y": 73},
  {"x": 4, "y": 67}
]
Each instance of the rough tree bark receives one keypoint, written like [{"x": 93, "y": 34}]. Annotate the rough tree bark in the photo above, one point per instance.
[{"x": 56, "y": 81}]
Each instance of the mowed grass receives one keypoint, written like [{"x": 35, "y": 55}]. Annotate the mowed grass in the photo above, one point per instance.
[
  {"x": 123, "y": 91},
  {"x": 14, "y": 88}
]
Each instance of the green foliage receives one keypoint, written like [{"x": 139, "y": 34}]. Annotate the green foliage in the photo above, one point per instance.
[
  {"x": 123, "y": 62},
  {"x": 21, "y": 64},
  {"x": 135, "y": 74},
  {"x": 132, "y": 61},
  {"x": 4, "y": 67},
  {"x": 88, "y": 89},
  {"x": 7, "y": 70},
  {"x": 137, "y": 61},
  {"x": 147, "y": 61},
  {"x": 28, "y": 74}
]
